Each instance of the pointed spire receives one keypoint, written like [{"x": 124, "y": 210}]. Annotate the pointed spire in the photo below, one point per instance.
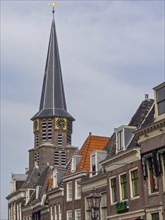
[{"x": 53, "y": 97}]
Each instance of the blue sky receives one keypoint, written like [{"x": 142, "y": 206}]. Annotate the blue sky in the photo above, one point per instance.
[{"x": 112, "y": 53}]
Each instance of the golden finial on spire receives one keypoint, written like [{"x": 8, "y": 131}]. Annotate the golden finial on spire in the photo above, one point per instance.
[{"x": 52, "y": 5}]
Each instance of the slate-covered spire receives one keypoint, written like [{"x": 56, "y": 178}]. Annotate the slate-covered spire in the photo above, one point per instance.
[{"x": 53, "y": 97}]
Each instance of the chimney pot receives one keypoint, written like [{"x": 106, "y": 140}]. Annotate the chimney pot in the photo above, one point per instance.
[{"x": 146, "y": 96}]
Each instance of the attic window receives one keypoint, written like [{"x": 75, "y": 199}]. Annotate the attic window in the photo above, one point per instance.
[
  {"x": 161, "y": 100},
  {"x": 93, "y": 164},
  {"x": 120, "y": 140},
  {"x": 73, "y": 164},
  {"x": 124, "y": 135}
]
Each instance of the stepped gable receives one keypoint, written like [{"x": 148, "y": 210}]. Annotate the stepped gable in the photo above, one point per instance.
[{"x": 91, "y": 144}]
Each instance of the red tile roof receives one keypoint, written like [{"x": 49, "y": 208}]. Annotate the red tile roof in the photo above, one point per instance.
[{"x": 92, "y": 143}]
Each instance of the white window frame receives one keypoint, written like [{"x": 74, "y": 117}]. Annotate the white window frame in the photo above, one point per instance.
[
  {"x": 68, "y": 213},
  {"x": 69, "y": 195},
  {"x": 55, "y": 212},
  {"x": 130, "y": 183},
  {"x": 121, "y": 174},
  {"x": 77, "y": 211},
  {"x": 122, "y": 129},
  {"x": 151, "y": 211},
  {"x": 77, "y": 186},
  {"x": 51, "y": 213},
  {"x": 95, "y": 163},
  {"x": 103, "y": 206},
  {"x": 111, "y": 189},
  {"x": 59, "y": 212}
]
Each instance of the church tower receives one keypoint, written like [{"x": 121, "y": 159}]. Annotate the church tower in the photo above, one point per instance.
[{"x": 52, "y": 124}]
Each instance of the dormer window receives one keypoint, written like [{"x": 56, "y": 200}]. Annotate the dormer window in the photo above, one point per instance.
[
  {"x": 124, "y": 135},
  {"x": 159, "y": 95},
  {"x": 75, "y": 161},
  {"x": 120, "y": 138},
  {"x": 161, "y": 100},
  {"x": 95, "y": 159},
  {"x": 73, "y": 164},
  {"x": 93, "y": 164}
]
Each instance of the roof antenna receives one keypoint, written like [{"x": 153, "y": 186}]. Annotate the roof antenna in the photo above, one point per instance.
[{"x": 52, "y": 5}]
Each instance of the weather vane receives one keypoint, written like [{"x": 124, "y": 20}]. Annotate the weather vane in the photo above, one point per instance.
[{"x": 52, "y": 5}]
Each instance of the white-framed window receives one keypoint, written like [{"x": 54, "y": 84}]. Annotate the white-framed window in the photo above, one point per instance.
[
  {"x": 69, "y": 215},
  {"x": 94, "y": 167},
  {"x": 59, "y": 212},
  {"x": 154, "y": 213},
  {"x": 69, "y": 191},
  {"x": 78, "y": 214},
  {"x": 103, "y": 206},
  {"x": 113, "y": 192},
  {"x": 120, "y": 140},
  {"x": 124, "y": 135},
  {"x": 51, "y": 213},
  {"x": 133, "y": 175},
  {"x": 160, "y": 98},
  {"x": 73, "y": 164},
  {"x": 55, "y": 212},
  {"x": 77, "y": 189},
  {"x": 123, "y": 186},
  {"x": 155, "y": 216}
]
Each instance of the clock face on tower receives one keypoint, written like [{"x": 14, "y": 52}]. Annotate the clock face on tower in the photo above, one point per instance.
[
  {"x": 61, "y": 123},
  {"x": 36, "y": 125}
]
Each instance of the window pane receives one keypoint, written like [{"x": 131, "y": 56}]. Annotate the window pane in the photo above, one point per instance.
[
  {"x": 152, "y": 176},
  {"x": 134, "y": 179},
  {"x": 161, "y": 94},
  {"x": 77, "y": 214},
  {"x": 161, "y": 107},
  {"x": 69, "y": 190},
  {"x": 69, "y": 215},
  {"x": 120, "y": 140},
  {"x": 123, "y": 187},
  {"x": 93, "y": 164},
  {"x": 155, "y": 216},
  {"x": 113, "y": 189}
]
